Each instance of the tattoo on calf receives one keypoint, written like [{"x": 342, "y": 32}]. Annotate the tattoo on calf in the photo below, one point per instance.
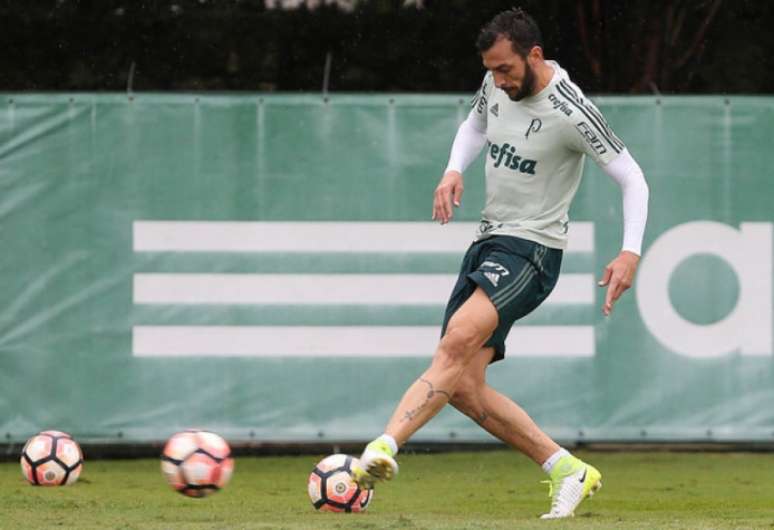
[
  {"x": 411, "y": 414},
  {"x": 481, "y": 418}
]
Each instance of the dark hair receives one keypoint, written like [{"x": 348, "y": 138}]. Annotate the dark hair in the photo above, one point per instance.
[{"x": 515, "y": 25}]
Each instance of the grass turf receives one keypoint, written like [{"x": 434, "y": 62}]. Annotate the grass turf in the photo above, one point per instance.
[{"x": 486, "y": 491}]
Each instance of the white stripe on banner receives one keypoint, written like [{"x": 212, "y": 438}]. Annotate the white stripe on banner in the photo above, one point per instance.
[
  {"x": 322, "y": 236},
  {"x": 354, "y": 289},
  {"x": 343, "y": 341}
]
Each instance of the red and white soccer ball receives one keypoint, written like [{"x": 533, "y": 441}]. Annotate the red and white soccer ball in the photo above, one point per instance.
[
  {"x": 332, "y": 489},
  {"x": 197, "y": 463},
  {"x": 51, "y": 458}
]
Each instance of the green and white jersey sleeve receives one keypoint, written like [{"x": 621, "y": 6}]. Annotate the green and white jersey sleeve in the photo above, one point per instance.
[
  {"x": 479, "y": 106},
  {"x": 591, "y": 133},
  {"x": 534, "y": 157}
]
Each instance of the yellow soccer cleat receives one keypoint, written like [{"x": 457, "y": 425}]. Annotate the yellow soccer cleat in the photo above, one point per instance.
[
  {"x": 376, "y": 464},
  {"x": 572, "y": 480}
]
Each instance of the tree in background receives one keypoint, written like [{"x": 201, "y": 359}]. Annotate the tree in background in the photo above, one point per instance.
[
  {"x": 638, "y": 46},
  {"x": 663, "y": 50}
]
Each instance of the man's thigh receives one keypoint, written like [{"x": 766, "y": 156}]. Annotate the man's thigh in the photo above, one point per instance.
[
  {"x": 516, "y": 275},
  {"x": 476, "y": 316}
]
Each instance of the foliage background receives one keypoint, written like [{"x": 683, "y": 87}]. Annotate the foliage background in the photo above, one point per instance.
[{"x": 609, "y": 46}]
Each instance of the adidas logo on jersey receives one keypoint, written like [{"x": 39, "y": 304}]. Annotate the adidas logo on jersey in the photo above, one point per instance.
[
  {"x": 495, "y": 109},
  {"x": 506, "y": 156}
]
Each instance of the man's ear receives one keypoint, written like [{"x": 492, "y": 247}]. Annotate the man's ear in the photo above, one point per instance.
[{"x": 535, "y": 55}]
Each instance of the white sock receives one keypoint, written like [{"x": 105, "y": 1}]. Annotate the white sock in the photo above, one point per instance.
[
  {"x": 548, "y": 465},
  {"x": 391, "y": 442}
]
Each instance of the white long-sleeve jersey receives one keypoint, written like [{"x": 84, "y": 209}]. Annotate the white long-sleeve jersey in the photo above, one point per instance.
[{"x": 535, "y": 150}]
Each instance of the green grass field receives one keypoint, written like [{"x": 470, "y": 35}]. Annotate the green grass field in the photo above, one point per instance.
[{"x": 490, "y": 490}]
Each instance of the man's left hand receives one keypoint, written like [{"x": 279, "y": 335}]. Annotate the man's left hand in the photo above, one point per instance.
[{"x": 618, "y": 277}]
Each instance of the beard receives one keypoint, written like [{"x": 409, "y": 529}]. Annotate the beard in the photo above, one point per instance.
[{"x": 527, "y": 86}]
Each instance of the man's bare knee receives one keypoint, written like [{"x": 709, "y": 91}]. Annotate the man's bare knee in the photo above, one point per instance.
[
  {"x": 467, "y": 399},
  {"x": 468, "y": 329},
  {"x": 463, "y": 398},
  {"x": 458, "y": 347}
]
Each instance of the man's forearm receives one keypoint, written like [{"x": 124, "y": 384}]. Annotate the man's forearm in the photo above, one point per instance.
[
  {"x": 634, "y": 190},
  {"x": 466, "y": 147}
]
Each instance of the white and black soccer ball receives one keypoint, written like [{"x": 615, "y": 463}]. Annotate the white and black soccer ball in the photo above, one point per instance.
[
  {"x": 51, "y": 458},
  {"x": 197, "y": 463},
  {"x": 332, "y": 489}
]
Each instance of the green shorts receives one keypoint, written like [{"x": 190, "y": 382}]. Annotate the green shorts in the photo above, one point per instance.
[{"x": 515, "y": 273}]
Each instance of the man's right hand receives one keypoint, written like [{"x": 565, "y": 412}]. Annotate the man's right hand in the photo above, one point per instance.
[{"x": 448, "y": 192}]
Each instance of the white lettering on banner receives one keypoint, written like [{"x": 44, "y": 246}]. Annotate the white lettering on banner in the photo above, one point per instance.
[
  {"x": 748, "y": 327},
  {"x": 310, "y": 289},
  {"x": 320, "y": 236},
  {"x": 343, "y": 341},
  {"x": 326, "y": 289}
]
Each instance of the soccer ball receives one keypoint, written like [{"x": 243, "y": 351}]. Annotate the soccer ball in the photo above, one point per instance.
[
  {"x": 332, "y": 489},
  {"x": 197, "y": 463},
  {"x": 51, "y": 458}
]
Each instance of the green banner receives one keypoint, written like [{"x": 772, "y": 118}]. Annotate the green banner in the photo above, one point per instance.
[{"x": 265, "y": 266}]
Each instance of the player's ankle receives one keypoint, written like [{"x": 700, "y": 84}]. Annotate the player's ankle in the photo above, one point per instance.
[
  {"x": 389, "y": 442},
  {"x": 551, "y": 462}
]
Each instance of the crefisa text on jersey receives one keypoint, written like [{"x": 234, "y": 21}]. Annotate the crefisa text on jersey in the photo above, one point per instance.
[
  {"x": 559, "y": 104},
  {"x": 507, "y": 153}
]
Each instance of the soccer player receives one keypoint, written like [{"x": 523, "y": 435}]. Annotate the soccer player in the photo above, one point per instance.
[{"x": 536, "y": 127}]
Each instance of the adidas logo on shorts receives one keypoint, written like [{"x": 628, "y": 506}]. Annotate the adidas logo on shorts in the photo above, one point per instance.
[{"x": 492, "y": 277}]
